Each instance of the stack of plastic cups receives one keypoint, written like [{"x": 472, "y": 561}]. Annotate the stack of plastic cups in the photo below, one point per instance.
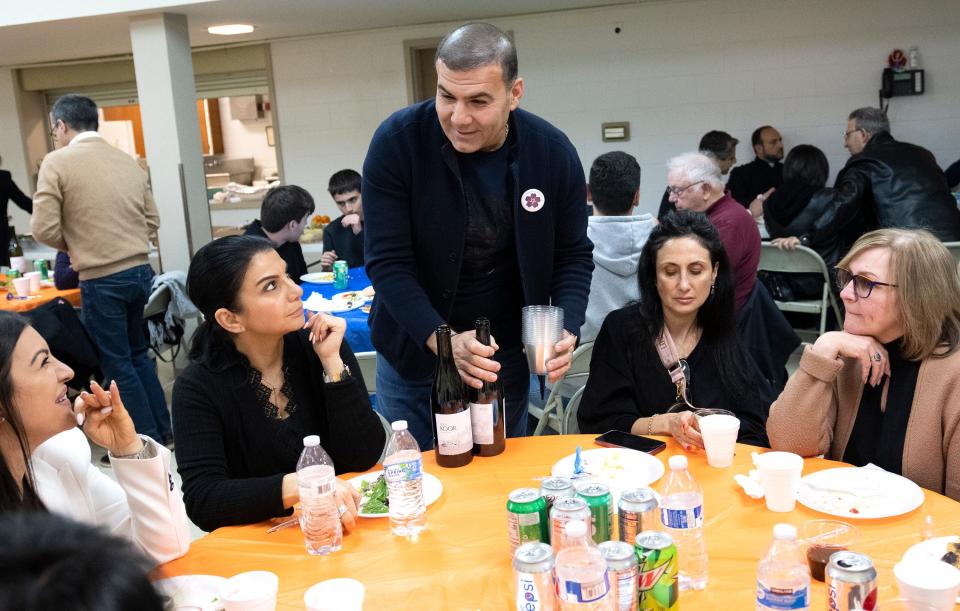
[{"x": 542, "y": 328}]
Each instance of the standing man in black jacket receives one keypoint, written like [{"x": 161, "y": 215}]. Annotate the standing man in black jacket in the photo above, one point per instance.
[
  {"x": 753, "y": 182},
  {"x": 885, "y": 183},
  {"x": 9, "y": 191},
  {"x": 473, "y": 207}
]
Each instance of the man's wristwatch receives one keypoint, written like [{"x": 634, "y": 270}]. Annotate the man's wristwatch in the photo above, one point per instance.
[{"x": 340, "y": 377}]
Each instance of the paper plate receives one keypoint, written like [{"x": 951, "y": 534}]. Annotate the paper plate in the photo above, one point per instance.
[
  {"x": 859, "y": 493},
  {"x": 619, "y": 468},
  {"x": 192, "y": 591},
  {"x": 931, "y": 549},
  {"x": 351, "y": 296},
  {"x": 317, "y": 303},
  {"x": 318, "y": 277},
  {"x": 432, "y": 489}
]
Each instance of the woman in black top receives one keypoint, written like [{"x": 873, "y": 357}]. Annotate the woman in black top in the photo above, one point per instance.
[
  {"x": 686, "y": 292},
  {"x": 9, "y": 191},
  {"x": 259, "y": 381}
]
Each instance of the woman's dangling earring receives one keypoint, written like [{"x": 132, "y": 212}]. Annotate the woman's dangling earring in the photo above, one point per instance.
[{"x": 713, "y": 288}]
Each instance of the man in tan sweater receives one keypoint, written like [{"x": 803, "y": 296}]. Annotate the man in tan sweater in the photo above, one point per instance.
[{"x": 93, "y": 201}]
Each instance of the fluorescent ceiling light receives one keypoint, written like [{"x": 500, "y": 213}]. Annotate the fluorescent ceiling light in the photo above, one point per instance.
[{"x": 230, "y": 29}]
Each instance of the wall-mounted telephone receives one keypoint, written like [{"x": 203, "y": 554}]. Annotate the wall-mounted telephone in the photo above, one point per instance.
[{"x": 902, "y": 82}]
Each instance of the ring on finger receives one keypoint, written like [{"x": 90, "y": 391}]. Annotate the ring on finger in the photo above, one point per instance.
[
  {"x": 342, "y": 509},
  {"x": 877, "y": 357}
]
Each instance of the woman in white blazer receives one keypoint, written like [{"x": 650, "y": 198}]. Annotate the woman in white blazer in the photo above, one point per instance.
[{"x": 36, "y": 419}]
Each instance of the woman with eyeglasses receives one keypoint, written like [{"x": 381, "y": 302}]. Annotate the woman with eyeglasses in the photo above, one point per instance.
[
  {"x": 686, "y": 306},
  {"x": 886, "y": 389}
]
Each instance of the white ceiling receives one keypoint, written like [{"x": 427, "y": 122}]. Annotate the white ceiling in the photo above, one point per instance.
[{"x": 108, "y": 35}]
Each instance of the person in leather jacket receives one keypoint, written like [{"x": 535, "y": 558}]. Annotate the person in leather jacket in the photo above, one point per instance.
[{"x": 886, "y": 183}]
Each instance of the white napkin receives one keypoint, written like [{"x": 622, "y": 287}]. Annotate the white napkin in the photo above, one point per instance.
[{"x": 317, "y": 303}]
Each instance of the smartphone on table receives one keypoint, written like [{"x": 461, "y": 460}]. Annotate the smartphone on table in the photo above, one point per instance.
[{"x": 620, "y": 439}]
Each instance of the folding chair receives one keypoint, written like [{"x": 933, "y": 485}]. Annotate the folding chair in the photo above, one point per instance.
[
  {"x": 552, "y": 411},
  {"x": 368, "y": 369},
  {"x": 570, "y": 426},
  {"x": 801, "y": 260}
]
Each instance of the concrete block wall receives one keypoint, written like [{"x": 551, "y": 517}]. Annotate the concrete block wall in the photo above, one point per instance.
[{"x": 676, "y": 70}]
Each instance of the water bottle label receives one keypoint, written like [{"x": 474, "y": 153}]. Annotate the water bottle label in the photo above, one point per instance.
[
  {"x": 453, "y": 433},
  {"x": 403, "y": 471},
  {"x": 481, "y": 421},
  {"x": 682, "y": 518},
  {"x": 576, "y": 592},
  {"x": 782, "y": 598},
  {"x": 529, "y": 598}
]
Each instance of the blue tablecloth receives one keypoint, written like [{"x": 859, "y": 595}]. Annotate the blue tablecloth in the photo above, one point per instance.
[{"x": 358, "y": 332}]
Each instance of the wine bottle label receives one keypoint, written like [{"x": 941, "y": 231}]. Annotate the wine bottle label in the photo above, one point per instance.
[
  {"x": 454, "y": 435},
  {"x": 481, "y": 421}
]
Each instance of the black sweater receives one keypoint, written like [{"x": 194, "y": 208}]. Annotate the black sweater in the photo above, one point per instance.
[
  {"x": 627, "y": 381},
  {"x": 232, "y": 456}
]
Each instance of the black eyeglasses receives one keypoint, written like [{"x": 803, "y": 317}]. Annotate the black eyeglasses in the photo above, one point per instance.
[
  {"x": 862, "y": 286},
  {"x": 678, "y": 191}
]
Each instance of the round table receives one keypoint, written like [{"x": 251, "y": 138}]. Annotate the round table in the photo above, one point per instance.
[
  {"x": 462, "y": 560},
  {"x": 358, "y": 331}
]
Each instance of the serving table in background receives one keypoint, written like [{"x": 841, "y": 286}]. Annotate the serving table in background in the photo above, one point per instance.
[
  {"x": 462, "y": 560},
  {"x": 358, "y": 329},
  {"x": 46, "y": 295}
]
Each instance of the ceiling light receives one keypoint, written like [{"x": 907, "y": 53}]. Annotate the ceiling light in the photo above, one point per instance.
[{"x": 230, "y": 29}]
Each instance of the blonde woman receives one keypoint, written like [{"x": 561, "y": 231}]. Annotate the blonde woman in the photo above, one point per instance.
[{"x": 886, "y": 389}]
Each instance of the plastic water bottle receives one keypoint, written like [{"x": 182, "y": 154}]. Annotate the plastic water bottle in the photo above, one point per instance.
[
  {"x": 403, "y": 471},
  {"x": 681, "y": 512},
  {"x": 583, "y": 583},
  {"x": 783, "y": 577},
  {"x": 319, "y": 517}
]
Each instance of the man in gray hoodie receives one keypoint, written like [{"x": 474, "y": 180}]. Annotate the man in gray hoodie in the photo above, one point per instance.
[{"x": 617, "y": 236}]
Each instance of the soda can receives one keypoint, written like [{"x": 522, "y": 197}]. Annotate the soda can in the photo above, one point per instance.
[
  {"x": 851, "y": 582},
  {"x": 40, "y": 265},
  {"x": 622, "y": 566},
  {"x": 340, "y": 274},
  {"x": 636, "y": 512},
  {"x": 533, "y": 572},
  {"x": 553, "y": 488},
  {"x": 600, "y": 502},
  {"x": 657, "y": 575},
  {"x": 564, "y": 510},
  {"x": 526, "y": 518}
]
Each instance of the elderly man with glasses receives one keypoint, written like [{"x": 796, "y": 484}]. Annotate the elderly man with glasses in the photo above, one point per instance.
[
  {"x": 885, "y": 184},
  {"x": 693, "y": 183}
]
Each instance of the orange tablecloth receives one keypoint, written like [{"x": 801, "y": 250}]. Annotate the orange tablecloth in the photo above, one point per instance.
[
  {"x": 462, "y": 560},
  {"x": 46, "y": 295}
]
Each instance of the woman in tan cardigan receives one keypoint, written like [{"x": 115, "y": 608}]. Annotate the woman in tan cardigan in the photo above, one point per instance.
[{"x": 886, "y": 389}]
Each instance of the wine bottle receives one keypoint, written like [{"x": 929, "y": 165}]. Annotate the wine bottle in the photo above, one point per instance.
[
  {"x": 452, "y": 437},
  {"x": 13, "y": 248},
  {"x": 487, "y": 411}
]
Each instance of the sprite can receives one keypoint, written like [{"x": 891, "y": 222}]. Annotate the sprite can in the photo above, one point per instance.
[
  {"x": 526, "y": 518},
  {"x": 600, "y": 502},
  {"x": 340, "y": 274},
  {"x": 657, "y": 582},
  {"x": 40, "y": 265}
]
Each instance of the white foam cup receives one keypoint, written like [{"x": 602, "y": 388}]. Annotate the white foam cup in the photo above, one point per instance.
[
  {"x": 780, "y": 477},
  {"x": 34, "y": 281},
  {"x": 18, "y": 263},
  {"x": 22, "y": 286},
  {"x": 342, "y": 594},
  {"x": 719, "y": 433},
  {"x": 250, "y": 591},
  {"x": 928, "y": 581}
]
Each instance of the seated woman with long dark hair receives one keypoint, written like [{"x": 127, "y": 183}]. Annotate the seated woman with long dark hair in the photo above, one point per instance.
[
  {"x": 686, "y": 300},
  {"x": 259, "y": 381},
  {"x": 45, "y": 458},
  {"x": 884, "y": 390}
]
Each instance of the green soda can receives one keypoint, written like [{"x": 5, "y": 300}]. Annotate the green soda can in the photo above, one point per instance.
[
  {"x": 600, "y": 502},
  {"x": 340, "y": 274},
  {"x": 658, "y": 585},
  {"x": 40, "y": 265},
  {"x": 526, "y": 518}
]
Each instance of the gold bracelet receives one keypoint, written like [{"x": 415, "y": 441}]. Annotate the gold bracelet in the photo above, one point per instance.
[{"x": 650, "y": 426}]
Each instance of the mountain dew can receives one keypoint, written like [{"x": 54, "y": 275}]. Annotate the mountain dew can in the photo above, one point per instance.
[{"x": 658, "y": 586}]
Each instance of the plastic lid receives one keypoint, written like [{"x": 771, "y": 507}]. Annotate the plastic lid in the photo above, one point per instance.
[
  {"x": 678, "y": 462},
  {"x": 575, "y": 528},
  {"x": 785, "y": 532},
  {"x": 399, "y": 425},
  {"x": 311, "y": 441}
]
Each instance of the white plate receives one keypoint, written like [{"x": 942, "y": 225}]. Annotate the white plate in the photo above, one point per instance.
[
  {"x": 352, "y": 296},
  {"x": 318, "y": 277},
  {"x": 859, "y": 493},
  {"x": 432, "y": 489},
  {"x": 193, "y": 591},
  {"x": 619, "y": 468},
  {"x": 317, "y": 303},
  {"x": 931, "y": 549}
]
